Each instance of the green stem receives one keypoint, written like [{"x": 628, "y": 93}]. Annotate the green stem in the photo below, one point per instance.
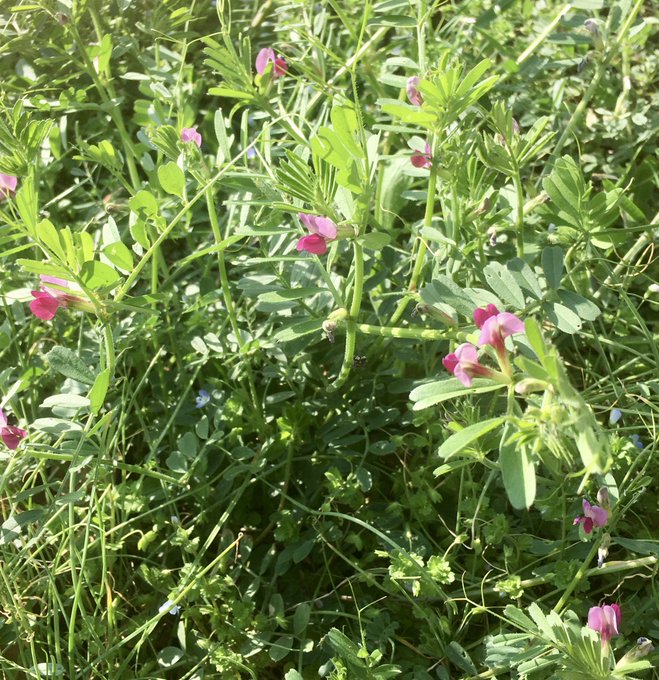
[
  {"x": 410, "y": 333},
  {"x": 168, "y": 229},
  {"x": 519, "y": 218},
  {"x": 602, "y": 67},
  {"x": 228, "y": 300},
  {"x": 355, "y": 306},
  {"x": 421, "y": 253},
  {"x": 109, "y": 349},
  {"x": 578, "y": 577},
  {"x": 542, "y": 36},
  {"x": 107, "y": 94},
  {"x": 224, "y": 278}
]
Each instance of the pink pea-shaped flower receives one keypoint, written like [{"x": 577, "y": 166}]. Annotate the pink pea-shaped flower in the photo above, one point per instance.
[{"x": 267, "y": 55}]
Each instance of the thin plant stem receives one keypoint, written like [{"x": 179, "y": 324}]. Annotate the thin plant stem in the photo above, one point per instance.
[{"x": 423, "y": 247}]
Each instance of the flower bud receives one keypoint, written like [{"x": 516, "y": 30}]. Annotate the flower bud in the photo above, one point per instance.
[{"x": 530, "y": 385}]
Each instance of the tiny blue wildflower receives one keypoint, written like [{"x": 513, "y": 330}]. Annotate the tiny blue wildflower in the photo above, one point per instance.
[
  {"x": 170, "y": 607},
  {"x": 251, "y": 152},
  {"x": 202, "y": 399},
  {"x": 615, "y": 416},
  {"x": 636, "y": 441},
  {"x": 174, "y": 519}
]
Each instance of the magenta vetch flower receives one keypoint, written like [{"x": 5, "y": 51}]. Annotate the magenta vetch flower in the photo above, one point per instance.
[
  {"x": 48, "y": 300},
  {"x": 322, "y": 230},
  {"x": 9, "y": 434},
  {"x": 267, "y": 55},
  {"x": 496, "y": 328},
  {"x": 314, "y": 244},
  {"x": 464, "y": 364},
  {"x": 605, "y": 620},
  {"x": 191, "y": 135},
  {"x": 7, "y": 185},
  {"x": 413, "y": 93},
  {"x": 422, "y": 160},
  {"x": 593, "y": 516},
  {"x": 482, "y": 314}
]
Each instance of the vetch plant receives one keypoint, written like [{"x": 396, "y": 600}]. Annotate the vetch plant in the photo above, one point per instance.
[
  {"x": 267, "y": 56},
  {"x": 323, "y": 231},
  {"x": 191, "y": 135},
  {"x": 7, "y": 185},
  {"x": 606, "y": 620},
  {"x": 49, "y": 299},
  {"x": 412, "y": 89},
  {"x": 593, "y": 517},
  {"x": 464, "y": 365},
  {"x": 422, "y": 159},
  {"x": 10, "y": 434}
]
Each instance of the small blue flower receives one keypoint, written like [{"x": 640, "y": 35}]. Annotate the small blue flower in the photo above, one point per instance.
[
  {"x": 251, "y": 152},
  {"x": 170, "y": 607},
  {"x": 202, "y": 399},
  {"x": 636, "y": 441},
  {"x": 615, "y": 416}
]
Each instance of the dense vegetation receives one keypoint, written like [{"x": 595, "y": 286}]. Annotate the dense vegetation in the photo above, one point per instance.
[{"x": 329, "y": 339}]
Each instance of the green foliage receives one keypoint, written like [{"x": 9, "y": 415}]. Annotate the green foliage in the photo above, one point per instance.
[{"x": 249, "y": 461}]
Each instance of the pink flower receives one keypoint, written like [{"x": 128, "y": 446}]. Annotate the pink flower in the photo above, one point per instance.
[
  {"x": 464, "y": 364},
  {"x": 10, "y": 435},
  {"x": 413, "y": 93},
  {"x": 7, "y": 185},
  {"x": 605, "y": 620},
  {"x": 48, "y": 300},
  {"x": 422, "y": 160},
  {"x": 266, "y": 55},
  {"x": 322, "y": 230},
  {"x": 482, "y": 314},
  {"x": 594, "y": 516},
  {"x": 191, "y": 135},
  {"x": 314, "y": 243},
  {"x": 497, "y": 327}
]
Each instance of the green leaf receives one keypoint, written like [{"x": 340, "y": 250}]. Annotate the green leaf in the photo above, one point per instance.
[
  {"x": 297, "y": 330},
  {"x": 552, "y": 265},
  {"x": 534, "y": 336},
  {"x": 293, "y": 675},
  {"x": 12, "y": 527},
  {"x": 344, "y": 647},
  {"x": 301, "y": 618},
  {"x": 96, "y": 275},
  {"x": 70, "y": 365},
  {"x": 172, "y": 179},
  {"x": 443, "y": 289},
  {"x": 578, "y": 304},
  {"x": 144, "y": 202},
  {"x": 448, "y": 388},
  {"x": 519, "y": 618},
  {"x": 562, "y": 317},
  {"x": 281, "y": 647},
  {"x": 49, "y": 236},
  {"x": 290, "y": 294},
  {"x": 40, "y": 267},
  {"x": 98, "y": 391},
  {"x": 517, "y": 470},
  {"x": 375, "y": 240},
  {"x": 170, "y": 656},
  {"x": 458, "y": 441},
  {"x": 460, "y": 658},
  {"x": 503, "y": 283},
  {"x": 68, "y": 401},
  {"x": 120, "y": 255},
  {"x": 525, "y": 277}
]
